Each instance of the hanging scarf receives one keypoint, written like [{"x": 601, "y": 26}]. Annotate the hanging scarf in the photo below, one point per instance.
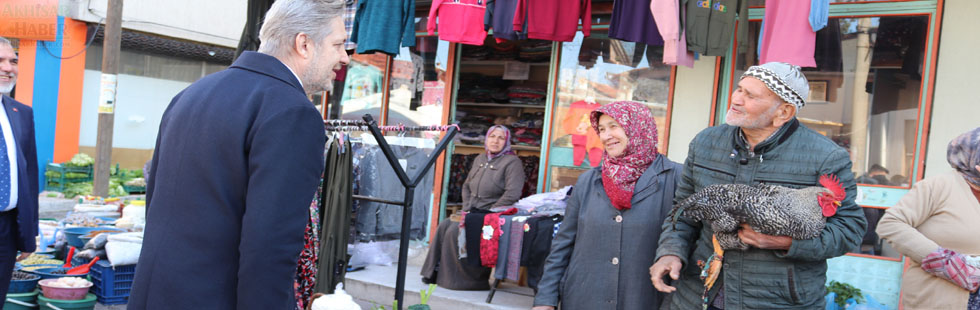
[
  {"x": 506, "y": 150},
  {"x": 963, "y": 154},
  {"x": 619, "y": 174}
]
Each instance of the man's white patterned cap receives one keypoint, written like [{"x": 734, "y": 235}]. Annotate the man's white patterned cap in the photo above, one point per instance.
[{"x": 784, "y": 79}]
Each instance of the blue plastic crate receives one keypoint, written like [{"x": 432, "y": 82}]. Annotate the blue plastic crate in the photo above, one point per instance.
[
  {"x": 111, "y": 283},
  {"x": 112, "y": 300}
]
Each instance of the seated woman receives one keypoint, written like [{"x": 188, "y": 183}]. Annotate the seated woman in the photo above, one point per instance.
[
  {"x": 935, "y": 225},
  {"x": 600, "y": 256},
  {"x": 496, "y": 179}
]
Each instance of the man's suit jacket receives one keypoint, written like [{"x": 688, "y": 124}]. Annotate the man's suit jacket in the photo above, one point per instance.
[
  {"x": 238, "y": 157},
  {"x": 22, "y": 124}
]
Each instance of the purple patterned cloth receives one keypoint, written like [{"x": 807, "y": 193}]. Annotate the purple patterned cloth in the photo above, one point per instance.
[
  {"x": 514, "y": 251},
  {"x": 963, "y": 154}
]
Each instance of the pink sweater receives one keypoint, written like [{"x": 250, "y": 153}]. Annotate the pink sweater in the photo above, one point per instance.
[
  {"x": 667, "y": 15},
  {"x": 460, "y": 21},
  {"x": 788, "y": 36}
]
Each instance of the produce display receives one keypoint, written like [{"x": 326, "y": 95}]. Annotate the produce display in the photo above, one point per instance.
[
  {"x": 35, "y": 259},
  {"x": 69, "y": 282},
  {"x": 94, "y": 233},
  {"x": 136, "y": 182},
  {"x": 80, "y": 160},
  {"x": 84, "y": 220},
  {"x": 45, "y": 265}
]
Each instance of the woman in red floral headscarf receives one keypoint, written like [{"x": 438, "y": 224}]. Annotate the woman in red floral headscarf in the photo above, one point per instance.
[{"x": 600, "y": 256}]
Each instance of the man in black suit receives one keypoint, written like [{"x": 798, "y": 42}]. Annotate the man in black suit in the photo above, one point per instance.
[
  {"x": 18, "y": 172},
  {"x": 238, "y": 158}
]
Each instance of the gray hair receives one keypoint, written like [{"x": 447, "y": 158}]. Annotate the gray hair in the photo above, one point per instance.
[
  {"x": 287, "y": 18},
  {"x": 4, "y": 41}
]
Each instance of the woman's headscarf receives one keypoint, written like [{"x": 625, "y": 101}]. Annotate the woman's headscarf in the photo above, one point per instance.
[
  {"x": 963, "y": 154},
  {"x": 619, "y": 174},
  {"x": 506, "y": 150}
]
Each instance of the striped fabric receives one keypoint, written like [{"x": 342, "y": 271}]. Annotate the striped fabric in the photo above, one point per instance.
[
  {"x": 350, "y": 10},
  {"x": 953, "y": 267}
]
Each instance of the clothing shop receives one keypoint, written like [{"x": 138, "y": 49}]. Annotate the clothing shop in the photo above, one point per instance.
[{"x": 880, "y": 86}]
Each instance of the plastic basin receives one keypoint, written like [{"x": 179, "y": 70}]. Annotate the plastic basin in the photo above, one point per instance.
[
  {"x": 72, "y": 234},
  {"x": 86, "y": 303},
  {"x": 63, "y": 293},
  {"x": 84, "y": 241},
  {"x": 23, "y": 286},
  {"x": 46, "y": 251},
  {"x": 47, "y": 273},
  {"x": 17, "y": 301}
]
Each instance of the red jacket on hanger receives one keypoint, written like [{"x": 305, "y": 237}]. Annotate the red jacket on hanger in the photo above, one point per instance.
[
  {"x": 460, "y": 21},
  {"x": 554, "y": 20}
]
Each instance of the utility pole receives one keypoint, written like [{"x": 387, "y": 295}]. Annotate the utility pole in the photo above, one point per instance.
[{"x": 107, "y": 96}]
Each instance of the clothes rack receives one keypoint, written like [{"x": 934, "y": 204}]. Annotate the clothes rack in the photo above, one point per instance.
[{"x": 410, "y": 183}]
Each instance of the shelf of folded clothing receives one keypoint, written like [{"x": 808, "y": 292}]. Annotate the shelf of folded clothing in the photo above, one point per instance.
[
  {"x": 499, "y": 62},
  {"x": 513, "y": 147},
  {"x": 499, "y": 105}
]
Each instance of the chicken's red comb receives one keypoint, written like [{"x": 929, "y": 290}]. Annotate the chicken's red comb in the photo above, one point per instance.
[{"x": 831, "y": 182}]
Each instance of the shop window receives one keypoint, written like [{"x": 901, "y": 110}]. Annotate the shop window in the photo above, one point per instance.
[
  {"x": 601, "y": 70},
  {"x": 418, "y": 83},
  {"x": 361, "y": 92},
  {"x": 865, "y": 91}
]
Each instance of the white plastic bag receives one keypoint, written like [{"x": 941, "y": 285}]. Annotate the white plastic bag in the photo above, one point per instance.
[
  {"x": 382, "y": 253},
  {"x": 124, "y": 249},
  {"x": 339, "y": 300}
]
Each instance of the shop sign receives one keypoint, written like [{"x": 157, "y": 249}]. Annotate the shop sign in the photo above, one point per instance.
[{"x": 29, "y": 19}]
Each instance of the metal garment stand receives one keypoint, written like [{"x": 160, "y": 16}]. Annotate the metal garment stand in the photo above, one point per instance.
[{"x": 410, "y": 185}]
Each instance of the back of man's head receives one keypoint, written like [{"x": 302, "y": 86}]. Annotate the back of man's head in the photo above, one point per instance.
[{"x": 287, "y": 18}]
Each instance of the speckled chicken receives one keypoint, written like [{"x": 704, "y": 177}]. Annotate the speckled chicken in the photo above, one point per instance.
[{"x": 768, "y": 209}]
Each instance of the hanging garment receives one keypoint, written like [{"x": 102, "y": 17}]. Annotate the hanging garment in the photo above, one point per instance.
[
  {"x": 709, "y": 25},
  {"x": 829, "y": 53},
  {"x": 819, "y": 13},
  {"x": 584, "y": 138},
  {"x": 307, "y": 267},
  {"x": 554, "y": 20},
  {"x": 632, "y": 21},
  {"x": 335, "y": 217},
  {"x": 377, "y": 221},
  {"x": 669, "y": 15},
  {"x": 787, "y": 35},
  {"x": 490, "y": 237},
  {"x": 381, "y": 25},
  {"x": 350, "y": 12},
  {"x": 509, "y": 260},
  {"x": 500, "y": 18},
  {"x": 538, "y": 233},
  {"x": 459, "y": 20},
  {"x": 474, "y": 230}
]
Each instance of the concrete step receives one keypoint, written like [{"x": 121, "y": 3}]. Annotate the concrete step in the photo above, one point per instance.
[{"x": 375, "y": 285}]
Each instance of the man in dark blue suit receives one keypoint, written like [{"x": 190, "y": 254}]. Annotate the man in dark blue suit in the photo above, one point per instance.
[
  {"x": 18, "y": 172},
  {"x": 238, "y": 158}
]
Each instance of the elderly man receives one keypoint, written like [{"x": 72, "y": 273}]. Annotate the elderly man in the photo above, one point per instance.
[
  {"x": 18, "y": 172},
  {"x": 238, "y": 158},
  {"x": 762, "y": 142}
]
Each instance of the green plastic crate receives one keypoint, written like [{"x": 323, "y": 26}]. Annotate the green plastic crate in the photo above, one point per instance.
[{"x": 62, "y": 180}]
